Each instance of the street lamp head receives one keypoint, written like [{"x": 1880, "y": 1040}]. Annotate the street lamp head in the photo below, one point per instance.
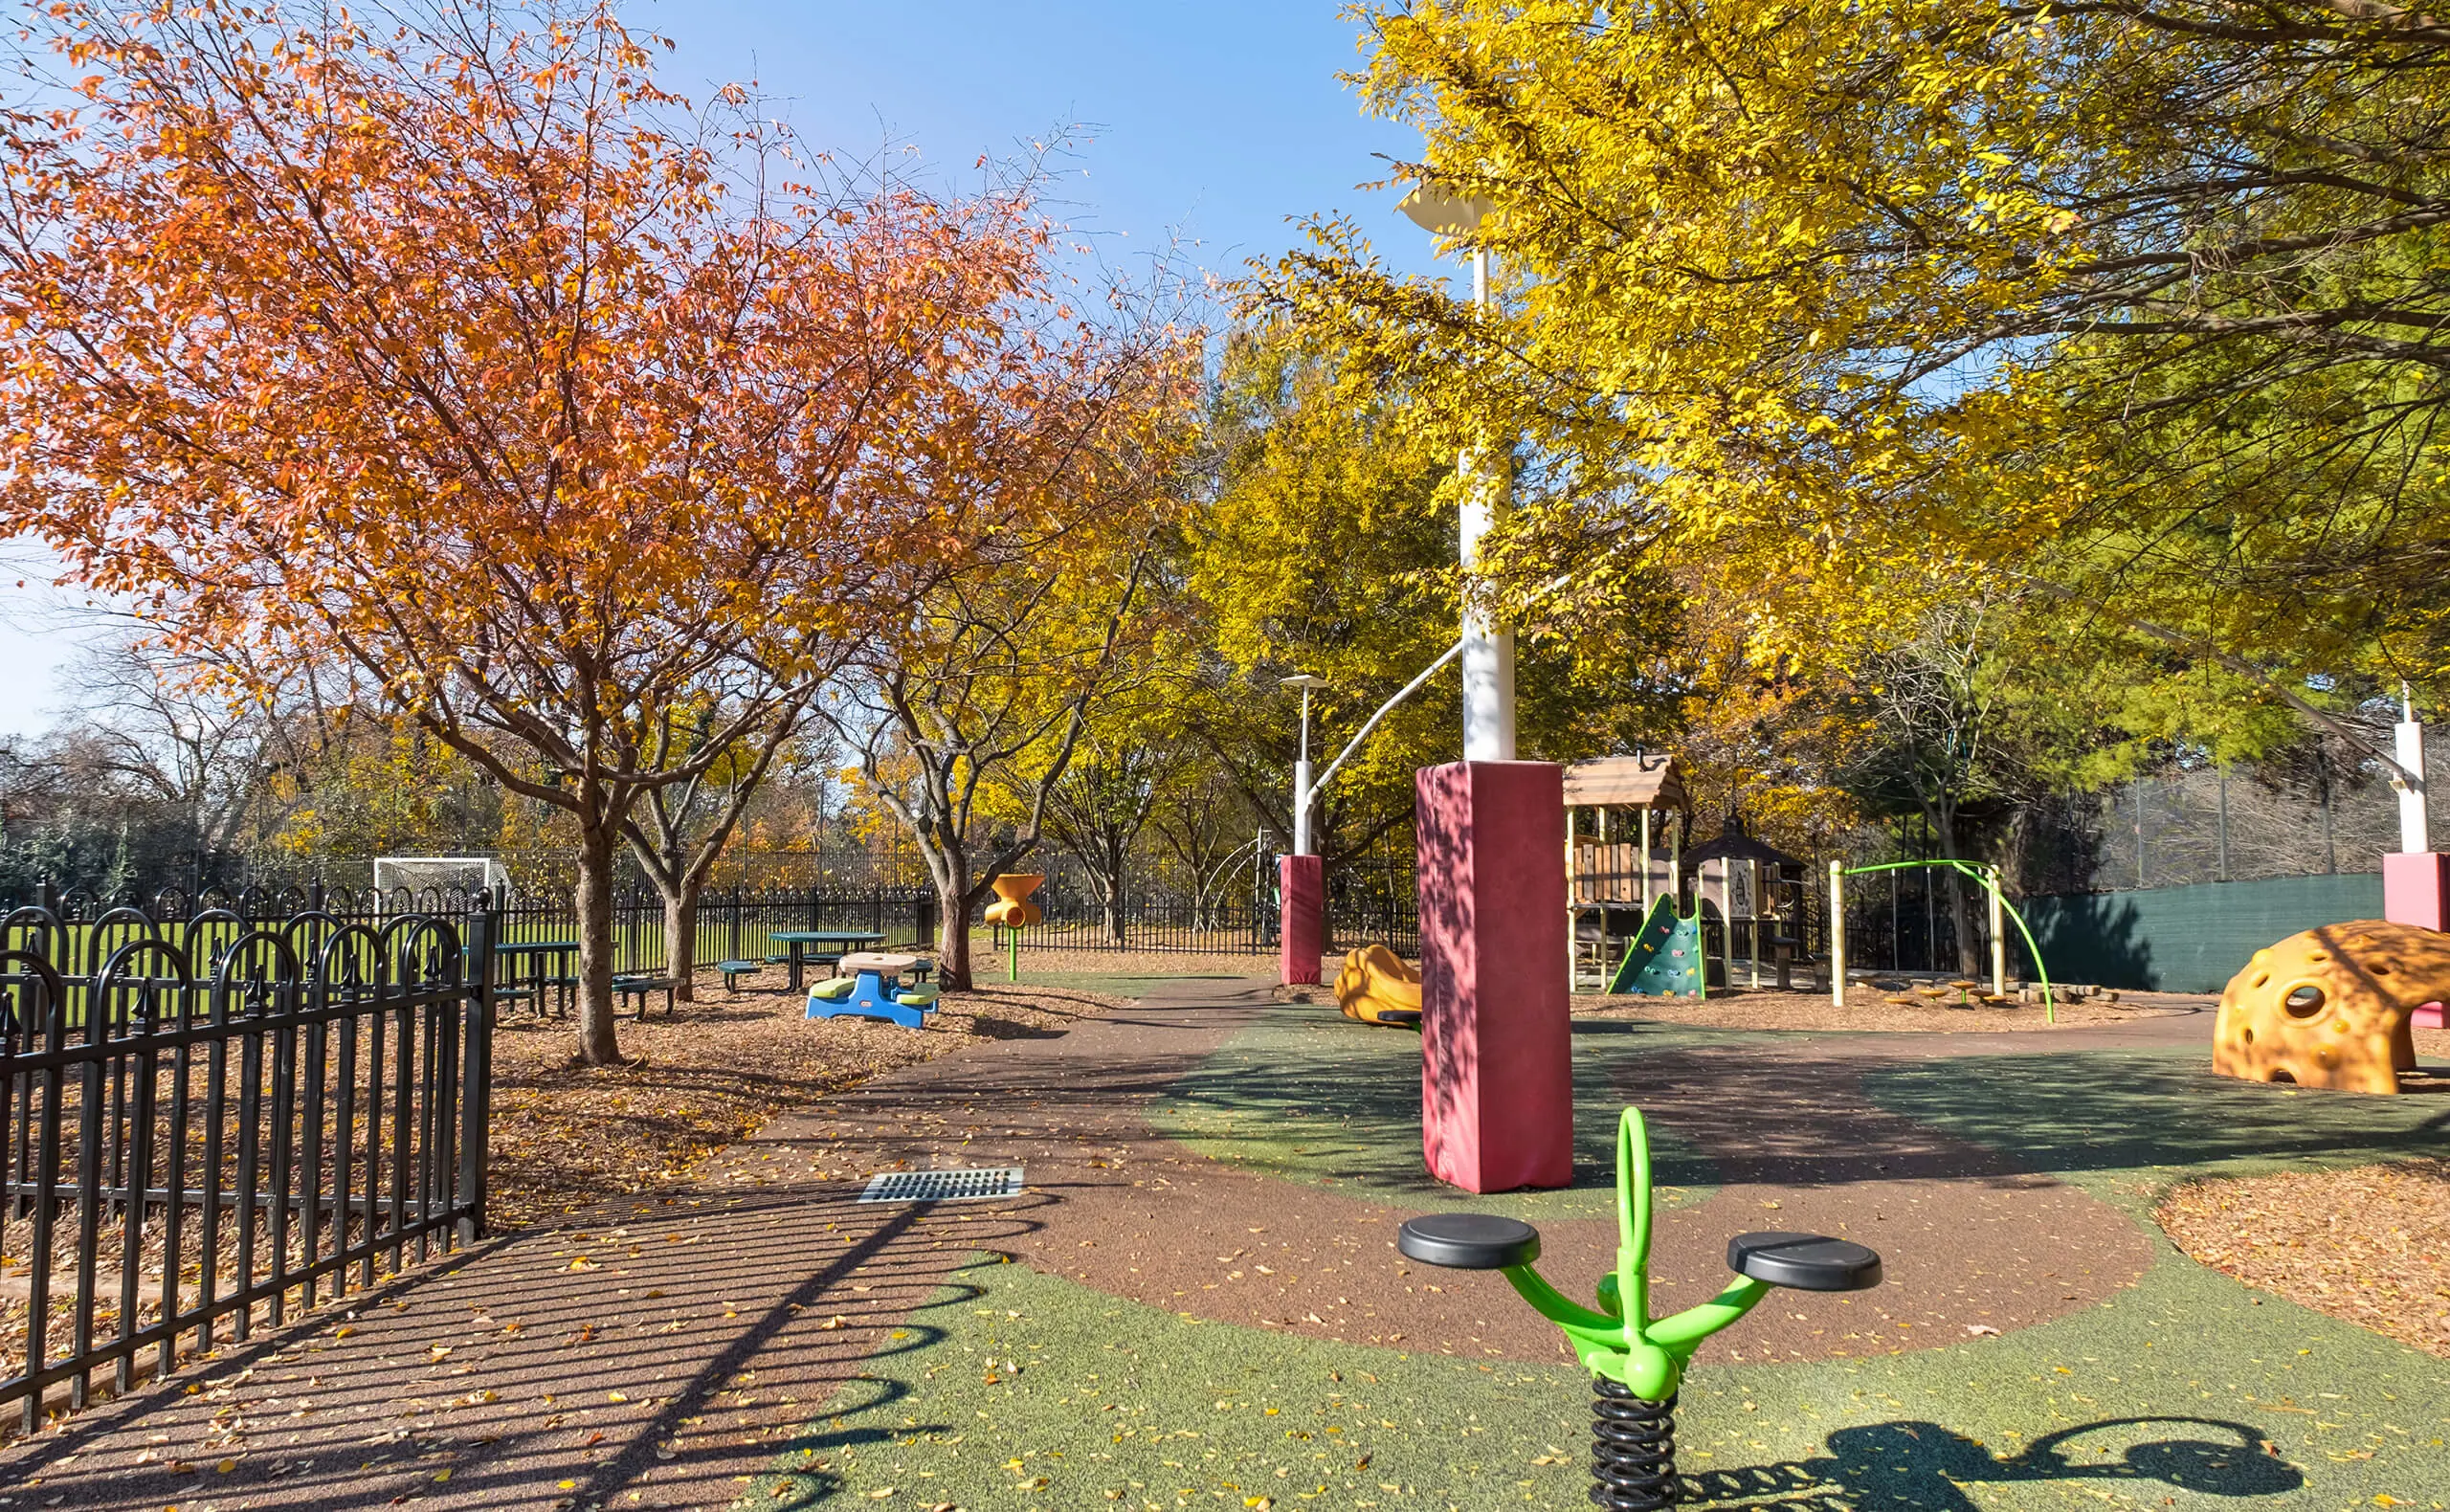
[
  {"x": 1302, "y": 681},
  {"x": 1442, "y": 212}
]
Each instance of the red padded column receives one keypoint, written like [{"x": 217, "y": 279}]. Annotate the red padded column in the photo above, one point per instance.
[
  {"x": 2416, "y": 890},
  {"x": 1303, "y": 937},
  {"x": 1497, "y": 1055}
]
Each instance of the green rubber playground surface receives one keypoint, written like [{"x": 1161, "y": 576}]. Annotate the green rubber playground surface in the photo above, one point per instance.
[
  {"x": 1022, "y": 1390},
  {"x": 1025, "y": 1391},
  {"x": 1308, "y": 1095}
]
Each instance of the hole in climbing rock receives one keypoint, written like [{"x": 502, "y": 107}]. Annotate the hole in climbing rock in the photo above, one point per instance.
[
  {"x": 2304, "y": 1000},
  {"x": 2247, "y": 1036},
  {"x": 2262, "y": 978},
  {"x": 2282, "y": 1075}
]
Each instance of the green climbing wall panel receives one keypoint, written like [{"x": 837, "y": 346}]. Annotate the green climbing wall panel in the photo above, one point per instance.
[{"x": 1665, "y": 958}]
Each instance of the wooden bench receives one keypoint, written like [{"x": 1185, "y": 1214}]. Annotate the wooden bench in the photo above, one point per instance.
[
  {"x": 638, "y": 987},
  {"x": 734, "y": 970}
]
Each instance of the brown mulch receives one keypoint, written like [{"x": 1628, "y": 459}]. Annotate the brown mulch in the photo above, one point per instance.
[
  {"x": 566, "y": 1136},
  {"x": 2368, "y": 1245},
  {"x": 1868, "y": 1009}
]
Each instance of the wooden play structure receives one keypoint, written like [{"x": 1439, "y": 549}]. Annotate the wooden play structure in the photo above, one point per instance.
[
  {"x": 1375, "y": 987},
  {"x": 2332, "y": 1006},
  {"x": 1757, "y": 891},
  {"x": 1622, "y": 857}
]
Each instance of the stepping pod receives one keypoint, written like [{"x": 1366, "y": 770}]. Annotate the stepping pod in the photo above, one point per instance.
[{"x": 1635, "y": 1362}]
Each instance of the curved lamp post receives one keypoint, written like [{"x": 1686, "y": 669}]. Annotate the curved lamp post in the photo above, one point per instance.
[
  {"x": 1488, "y": 650},
  {"x": 1301, "y": 789}
]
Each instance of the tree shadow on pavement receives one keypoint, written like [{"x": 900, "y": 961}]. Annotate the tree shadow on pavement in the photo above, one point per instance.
[
  {"x": 2121, "y": 1111},
  {"x": 1308, "y": 1095}
]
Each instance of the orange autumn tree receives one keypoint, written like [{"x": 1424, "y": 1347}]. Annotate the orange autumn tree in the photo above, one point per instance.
[{"x": 440, "y": 344}]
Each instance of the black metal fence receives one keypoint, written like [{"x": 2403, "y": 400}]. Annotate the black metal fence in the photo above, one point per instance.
[
  {"x": 209, "y": 1120},
  {"x": 735, "y": 922}
]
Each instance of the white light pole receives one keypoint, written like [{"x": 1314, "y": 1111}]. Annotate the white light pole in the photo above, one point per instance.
[
  {"x": 1302, "y": 763},
  {"x": 1488, "y": 650},
  {"x": 2414, "y": 821}
]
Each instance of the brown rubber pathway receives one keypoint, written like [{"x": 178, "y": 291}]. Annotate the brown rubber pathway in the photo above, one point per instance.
[{"x": 658, "y": 1354}]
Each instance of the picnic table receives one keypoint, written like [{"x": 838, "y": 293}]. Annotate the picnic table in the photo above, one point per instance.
[
  {"x": 528, "y": 966},
  {"x": 797, "y": 941},
  {"x": 871, "y": 988}
]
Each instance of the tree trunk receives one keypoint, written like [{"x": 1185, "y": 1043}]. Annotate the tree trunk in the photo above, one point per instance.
[
  {"x": 952, "y": 930},
  {"x": 598, "y": 1045},
  {"x": 1968, "y": 955},
  {"x": 681, "y": 936}
]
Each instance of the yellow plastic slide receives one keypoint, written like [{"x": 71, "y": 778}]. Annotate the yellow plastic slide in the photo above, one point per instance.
[{"x": 1376, "y": 988}]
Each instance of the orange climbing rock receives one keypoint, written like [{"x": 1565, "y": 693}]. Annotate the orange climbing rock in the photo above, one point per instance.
[
  {"x": 2329, "y": 1007},
  {"x": 1376, "y": 988}
]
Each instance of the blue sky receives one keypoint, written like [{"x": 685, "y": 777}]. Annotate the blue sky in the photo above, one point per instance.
[{"x": 1219, "y": 124}]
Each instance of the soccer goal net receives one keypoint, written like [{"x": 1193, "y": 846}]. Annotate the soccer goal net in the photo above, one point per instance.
[{"x": 436, "y": 884}]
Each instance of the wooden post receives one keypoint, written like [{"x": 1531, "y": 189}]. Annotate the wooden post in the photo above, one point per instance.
[
  {"x": 1838, "y": 933},
  {"x": 1998, "y": 941},
  {"x": 1645, "y": 864}
]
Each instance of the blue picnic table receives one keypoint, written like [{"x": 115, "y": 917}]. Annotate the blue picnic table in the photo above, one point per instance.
[{"x": 873, "y": 987}]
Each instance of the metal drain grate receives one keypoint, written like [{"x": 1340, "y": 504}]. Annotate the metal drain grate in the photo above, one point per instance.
[{"x": 942, "y": 1185}]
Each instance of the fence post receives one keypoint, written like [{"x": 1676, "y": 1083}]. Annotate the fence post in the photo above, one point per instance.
[
  {"x": 813, "y": 922},
  {"x": 475, "y": 1076},
  {"x": 1838, "y": 933}
]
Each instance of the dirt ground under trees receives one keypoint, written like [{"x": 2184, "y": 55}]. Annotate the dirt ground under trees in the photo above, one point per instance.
[{"x": 566, "y": 1136}]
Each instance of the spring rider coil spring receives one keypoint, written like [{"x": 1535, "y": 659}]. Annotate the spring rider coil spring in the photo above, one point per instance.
[
  {"x": 1635, "y": 1362},
  {"x": 1633, "y": 1449}
]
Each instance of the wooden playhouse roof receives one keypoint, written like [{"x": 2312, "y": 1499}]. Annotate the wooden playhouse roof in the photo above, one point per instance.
[{"x": 1647, "y": 781}]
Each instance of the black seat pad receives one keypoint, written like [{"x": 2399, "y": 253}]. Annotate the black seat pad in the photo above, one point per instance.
[
  {"x": 1468, "y": 1242},
  {"x": 1808, "y": 1262}
]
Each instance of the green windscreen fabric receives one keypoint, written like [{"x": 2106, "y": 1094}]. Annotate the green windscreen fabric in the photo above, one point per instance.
[{"x": 2185, "y": 939}]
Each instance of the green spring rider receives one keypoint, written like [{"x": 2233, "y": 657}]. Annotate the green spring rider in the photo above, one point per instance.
[{"x": 1636, "y": 1361}]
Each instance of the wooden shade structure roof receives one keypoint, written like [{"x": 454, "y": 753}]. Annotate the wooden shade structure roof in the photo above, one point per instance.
[{"x": 1644, "y": 780}]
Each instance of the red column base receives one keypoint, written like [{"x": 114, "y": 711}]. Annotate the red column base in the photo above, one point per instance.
[
  {"x": 1303, "y": 937},
  {"x": 2416, "y": 890},
  {"x": 1497, "y": 1053}
]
